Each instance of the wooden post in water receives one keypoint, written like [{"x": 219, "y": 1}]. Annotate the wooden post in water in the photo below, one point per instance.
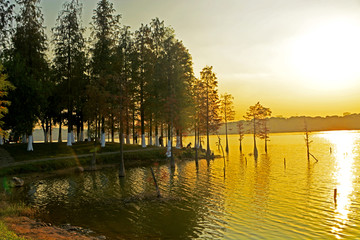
[
  {"x": 307, "y": 145},
  {"x": 335, "y": 195},
  {"x": 156, "y": 185}
]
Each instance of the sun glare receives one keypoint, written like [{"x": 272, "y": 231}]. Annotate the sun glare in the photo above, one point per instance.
[
  {"x": 344, "y": 145},
  {"x": 328, "y": 56}
]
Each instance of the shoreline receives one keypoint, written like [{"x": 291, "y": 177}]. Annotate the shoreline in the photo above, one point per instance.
[
  {"x": 54, "y": 156},
  {"x": 25, "y": 225},
  {"x": 18, "y": 222},
  {"x": 27, "y": 228}
]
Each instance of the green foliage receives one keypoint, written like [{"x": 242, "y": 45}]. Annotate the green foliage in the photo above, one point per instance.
[
  {"x": 5, "y": 86},
  {"x": 18, "y": 209},
  {"x": 27, "y": 68},
  {"x": 11, "y": 210},
  {"x": 103, "y": 88},
  {"x": 143, "y": 77},
  {"x": 258, "y": 114},
  {"x": 227, "y": 107},
  {"x": 49, "y": 150},
  {"x": 70, "y": 61},
  {"x": 46, "y": 151},
  {"x": 6, "y": 17},
  {"x": 209, "y": 103}
]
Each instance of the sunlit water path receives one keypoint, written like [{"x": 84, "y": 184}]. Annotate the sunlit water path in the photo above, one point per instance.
[{"x": 281, "y": 196}]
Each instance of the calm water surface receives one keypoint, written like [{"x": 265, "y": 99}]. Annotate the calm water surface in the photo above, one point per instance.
[{"x": 267, "y": 199}]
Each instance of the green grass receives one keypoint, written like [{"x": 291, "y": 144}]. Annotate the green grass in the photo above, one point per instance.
[
  {"x": 12, "y": 210},
  {"x": 47, "y": 150},
  {"x": 5, "y": 233},
  {"x": 15, "y": 210},
  {"x": 53, "y": 150}
]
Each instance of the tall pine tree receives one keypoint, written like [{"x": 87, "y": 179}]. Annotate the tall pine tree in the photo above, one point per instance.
[
  {"x": 105, "y": 30},
  {"x": 70, "y": 60},
  {"x": 209, "y": 109},
  {"x": 27, "y": 68}
]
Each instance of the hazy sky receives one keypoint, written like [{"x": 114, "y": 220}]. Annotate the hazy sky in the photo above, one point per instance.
[{"x": 298, "y": 57}]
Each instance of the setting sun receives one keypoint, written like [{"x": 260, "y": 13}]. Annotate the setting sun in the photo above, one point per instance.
[{"x": 328, "y": 56}]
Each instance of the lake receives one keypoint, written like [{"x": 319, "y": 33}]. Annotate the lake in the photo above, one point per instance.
[{"x": 279, "y": 196}]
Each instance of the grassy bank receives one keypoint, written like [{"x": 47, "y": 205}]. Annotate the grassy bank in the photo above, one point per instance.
[
  {"x": 12, "y": 210},
  {"x": 48, "y": 150},
  {"x": 80, "y": 154},
  {"x": 5, "y": 233}
]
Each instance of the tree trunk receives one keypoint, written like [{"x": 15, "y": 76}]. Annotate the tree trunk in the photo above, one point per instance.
[
  {"x": 103, "y": 139},
  {"x": 127, "y": 127},
  {"x": 51, "y": 131},
  {"x": 143, "y": 141},
  {"x": 69, "y": 142},
  {"x": 142, "y": 115},
  {"x": 172, "y": 160},
  {"x": 45, "y": 135},
  {"x": 240, "y": 146},
  {"x": 30, "y": 143},
  {"x": 88, "y": 132},
  {"x": 77, "y": 134},
  {"x": 122, "y": 166},
  {"x": 47, "y": 130},
  {"x": 96, "y": 128},
  {"x": 113, "y": 129},
  {"x": 142, "y": 118},
  {"x": 162, "y": 133},
  {"x": 150, "y": 133},
  {"x": 127, "y": 139},
  {"x": 196, "y": 149},
  {"x": 133, "y": 127},
  {"x": 103, "y": 131},
  {"x": 226, "y": 137},
  {"x": 307, "y": 145},
  {"x": 198, "y": 138},
  {"x": 82, "y": 131},
  {"x": 255, "y": 148},
  {"x": 44, "y": 131},
  {"x": 207, "y": 123},
  {"x": 156, "y": 134},
  {"x": 60, "y": 133},
  {"x": 208, "y": 151},
  {"x": 181, "y": 139},
  {"x": 72, "y": 137},
  {"x": 1, "y": 140},
  {"x": 177, "y": 139},
  {"x": 266, "y": 144}
]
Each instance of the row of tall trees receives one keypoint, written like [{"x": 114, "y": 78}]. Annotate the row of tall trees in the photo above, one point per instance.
[{"x": 118, "y": 81}]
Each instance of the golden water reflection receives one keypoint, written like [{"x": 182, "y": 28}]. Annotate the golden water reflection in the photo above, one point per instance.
[{"x": 343, "y": 148}]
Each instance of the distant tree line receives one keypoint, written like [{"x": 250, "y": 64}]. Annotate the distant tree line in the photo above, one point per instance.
[{"x": 117, "y": 82}]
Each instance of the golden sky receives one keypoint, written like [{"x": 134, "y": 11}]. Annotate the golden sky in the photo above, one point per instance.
[{"x": 297, "y": 57}]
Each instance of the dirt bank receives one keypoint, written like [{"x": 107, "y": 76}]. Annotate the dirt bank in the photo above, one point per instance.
[{"x": 31, "y": 229}]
